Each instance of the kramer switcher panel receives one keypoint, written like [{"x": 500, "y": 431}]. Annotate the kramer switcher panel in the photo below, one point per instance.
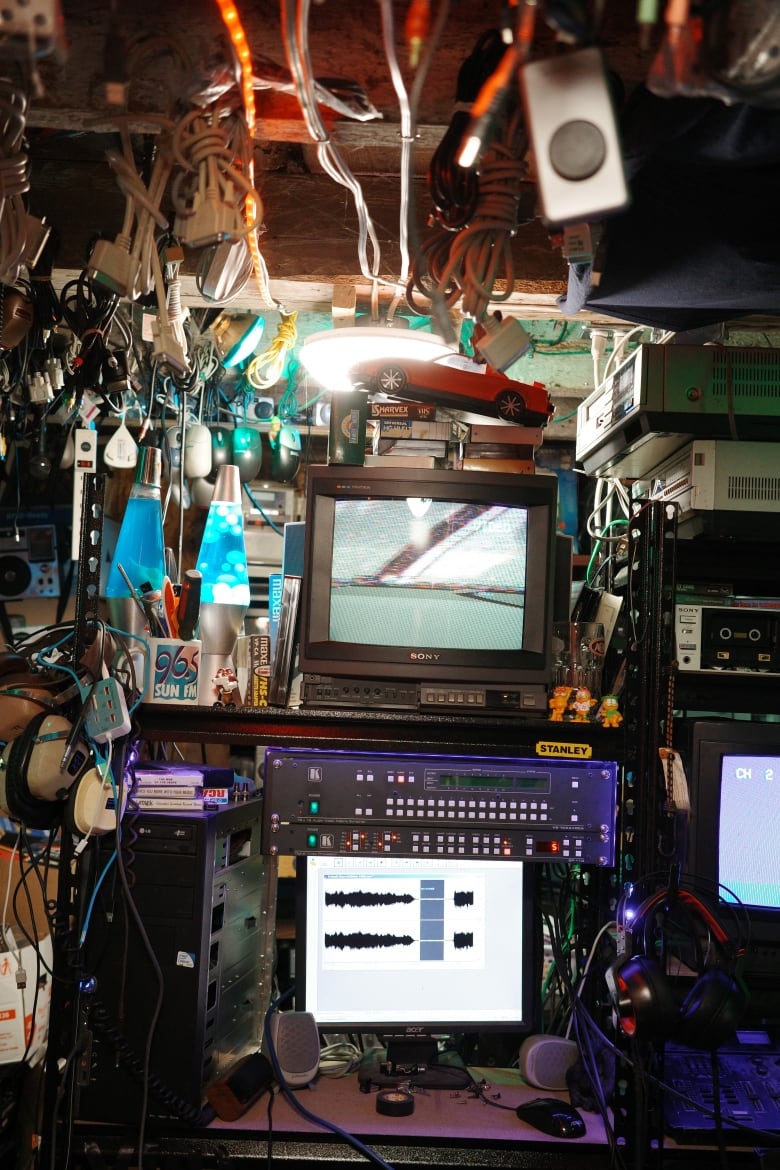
[{"x": 342, "y": 802}]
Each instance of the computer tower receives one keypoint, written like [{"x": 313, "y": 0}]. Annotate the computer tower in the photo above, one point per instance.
[{"x": 194, "y": 966}]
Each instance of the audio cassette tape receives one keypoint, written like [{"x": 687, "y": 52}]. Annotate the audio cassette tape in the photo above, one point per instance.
[
  {"x": 741, "y": 639},
  {"x": 28, "y": 563}
]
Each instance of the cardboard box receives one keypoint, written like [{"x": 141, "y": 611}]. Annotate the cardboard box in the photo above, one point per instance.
[
  {"x": 24, "y": 1011},
  {"x": 26, "y": 915},
  {"x": 253, "y": 667}
]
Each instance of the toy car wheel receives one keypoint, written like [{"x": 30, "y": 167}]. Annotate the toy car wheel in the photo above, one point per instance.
[
  {"x": 511, "y": 406},
  {"x": 391, "y": 379}
]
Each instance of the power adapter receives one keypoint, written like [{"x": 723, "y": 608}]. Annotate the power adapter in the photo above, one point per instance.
[{"x": 107, "y": 715}]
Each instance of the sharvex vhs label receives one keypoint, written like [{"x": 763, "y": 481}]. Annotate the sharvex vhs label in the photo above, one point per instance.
[{"x": 565, "y": 751}]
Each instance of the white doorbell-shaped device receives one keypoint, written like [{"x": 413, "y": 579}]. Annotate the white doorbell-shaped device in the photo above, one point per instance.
[{"x": 571, "y": 126}]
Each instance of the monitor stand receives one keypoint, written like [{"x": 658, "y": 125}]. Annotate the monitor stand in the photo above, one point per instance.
[{"x": 417, "y": 1062}]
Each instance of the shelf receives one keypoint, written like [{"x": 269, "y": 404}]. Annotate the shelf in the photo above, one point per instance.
[{"x": 379, "y": 731}]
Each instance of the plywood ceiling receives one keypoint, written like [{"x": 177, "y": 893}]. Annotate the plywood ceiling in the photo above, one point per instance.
[{"x": 310, "y": 238}]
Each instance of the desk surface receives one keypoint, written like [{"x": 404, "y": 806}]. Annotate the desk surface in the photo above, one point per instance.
[{"x": 441, "y": 1118}]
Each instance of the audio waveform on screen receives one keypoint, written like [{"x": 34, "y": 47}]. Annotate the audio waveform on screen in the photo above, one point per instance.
[
  {"x": 357, "y": 940},
  {"x": 360, "y": 898},
  {"x": 357, "y": 899}
]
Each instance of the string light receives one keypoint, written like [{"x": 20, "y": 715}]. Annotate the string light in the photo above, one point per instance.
[{"x": 232, "y": 22}]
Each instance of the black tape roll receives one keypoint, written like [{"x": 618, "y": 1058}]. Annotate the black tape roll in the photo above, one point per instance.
[{"x": 394, "y": 1103}]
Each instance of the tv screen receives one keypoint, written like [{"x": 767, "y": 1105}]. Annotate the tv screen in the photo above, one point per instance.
[
  {"x": 396, "y": 946},
  {"x": 428, "y": 577},
  {"x": 735, "y": 829}
]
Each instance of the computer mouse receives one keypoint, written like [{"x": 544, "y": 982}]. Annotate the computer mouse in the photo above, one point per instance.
[
  {"x": 247, "y": 452},
  {"x": 197, "y": 451},
  {"x": 221, "y": 449},
  {"x": 549, "y": 1115},
  {"x": 286, "y": 455}
]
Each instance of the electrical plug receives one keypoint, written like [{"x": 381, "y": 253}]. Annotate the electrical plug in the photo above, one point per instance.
[
  {"x": 166, "y": 348},
  {"x": 36, "y": 234},
  {"x": 112, "y": 266},
  {"x": 211, "y": 221}
]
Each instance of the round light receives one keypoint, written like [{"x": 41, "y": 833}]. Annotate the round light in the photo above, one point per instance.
[{"x": 330, "y": 355}]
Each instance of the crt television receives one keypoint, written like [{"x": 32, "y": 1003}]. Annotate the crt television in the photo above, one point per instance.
[
  {"x": 407, "y": 948},
  {"x": 426, "y": 589},
  {"x": 734, "y": 836}
]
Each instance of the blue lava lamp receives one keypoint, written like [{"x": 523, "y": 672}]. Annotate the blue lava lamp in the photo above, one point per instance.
[{"x": 225, "y": 579}]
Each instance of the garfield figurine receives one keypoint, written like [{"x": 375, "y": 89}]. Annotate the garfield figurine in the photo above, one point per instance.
[{"x": 558, "y": 702}]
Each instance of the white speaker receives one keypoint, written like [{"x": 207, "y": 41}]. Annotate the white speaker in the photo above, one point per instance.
[
  {"x": 296, "y": 1042},
  {"x": 544, "y": 1061}
]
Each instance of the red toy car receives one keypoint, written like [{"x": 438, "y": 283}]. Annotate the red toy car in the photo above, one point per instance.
[{"x": 488, "y": 392}]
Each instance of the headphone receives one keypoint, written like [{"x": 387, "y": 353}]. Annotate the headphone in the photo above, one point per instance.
[
  {"x": 647, "y": 999},
  {"x": 34, "y": 784}
]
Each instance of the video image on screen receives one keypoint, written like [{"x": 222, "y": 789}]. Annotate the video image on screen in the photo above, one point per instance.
[
  {"x": 425, "y": 565},
  {"x": 748, "y": 849}
]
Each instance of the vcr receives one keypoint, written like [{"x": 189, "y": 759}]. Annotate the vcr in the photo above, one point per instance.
[{"x": 342, "y": 802}]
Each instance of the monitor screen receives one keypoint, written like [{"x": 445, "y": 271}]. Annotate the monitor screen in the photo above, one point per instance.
[
  {"x": 415, "y": 576},
  {"x": 734, "y": 835},
  {"x": 398, "y": 946},
  {"x": 472, "y": 560}
]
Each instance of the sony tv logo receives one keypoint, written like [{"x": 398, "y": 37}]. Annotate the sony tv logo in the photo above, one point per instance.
[{"x": 423, "y": 656}]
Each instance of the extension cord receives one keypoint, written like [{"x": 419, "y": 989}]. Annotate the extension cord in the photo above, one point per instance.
[{"x": 107, "y": 716}]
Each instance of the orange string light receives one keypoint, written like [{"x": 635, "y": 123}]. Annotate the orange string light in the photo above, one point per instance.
[{"x": 232, "y": 22}]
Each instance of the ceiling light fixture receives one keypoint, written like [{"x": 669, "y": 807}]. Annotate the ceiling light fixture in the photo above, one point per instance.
[{"x": 329, "y": 356}]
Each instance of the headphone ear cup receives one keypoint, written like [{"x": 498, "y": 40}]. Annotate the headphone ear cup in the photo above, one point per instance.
[
  {"x": 15, "y": 795},
  {"x": 645, "y": 1003},
  {"x": 90, "y": 808},
  {"x": 713, "y": 1009}
]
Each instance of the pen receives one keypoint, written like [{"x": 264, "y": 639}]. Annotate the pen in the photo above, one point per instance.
[
  {"x": 189, "y": 604},
  {"x": 131, "y": 587}
]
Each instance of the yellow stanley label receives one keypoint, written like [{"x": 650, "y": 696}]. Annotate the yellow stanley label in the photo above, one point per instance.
[{"x": 577, "y": 751}]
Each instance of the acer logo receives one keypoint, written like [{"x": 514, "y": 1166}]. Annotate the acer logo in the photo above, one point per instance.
[{"x": 423, "y": 656}]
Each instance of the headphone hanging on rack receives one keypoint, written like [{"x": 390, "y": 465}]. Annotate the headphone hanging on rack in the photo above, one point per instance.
[{"x": 674, "y": 927}]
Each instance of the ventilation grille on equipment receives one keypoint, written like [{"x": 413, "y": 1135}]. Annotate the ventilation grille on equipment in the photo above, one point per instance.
[
  {"x": 754, "y": 376},
  {"x": 757, "y": 488}
]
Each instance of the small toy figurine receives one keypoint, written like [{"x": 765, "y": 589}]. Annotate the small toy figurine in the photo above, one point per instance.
[
  {"x": 581, "y": 705},
  {"x": 558, "y": 702},
  {"x": 225, "y": 683},
  {"x": 608, "y": 713}
]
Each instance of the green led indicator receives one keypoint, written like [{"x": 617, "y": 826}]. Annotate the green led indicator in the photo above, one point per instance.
[
  {"x": 314, "y": 807},
  {"x": 311, "y": 841}
]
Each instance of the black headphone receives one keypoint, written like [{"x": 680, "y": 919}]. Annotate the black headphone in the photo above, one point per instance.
[{"x": 652, "y": 1004}]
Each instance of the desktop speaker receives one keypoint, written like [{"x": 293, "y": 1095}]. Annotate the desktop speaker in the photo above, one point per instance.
[
  {"x": 296, "y": 1042},
  {"x": 545, "y": 1060}
]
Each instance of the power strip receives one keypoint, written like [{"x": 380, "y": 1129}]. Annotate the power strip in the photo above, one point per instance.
[
  {"x": 107, "y": 716},
  {"x": 85, "y": 463}
]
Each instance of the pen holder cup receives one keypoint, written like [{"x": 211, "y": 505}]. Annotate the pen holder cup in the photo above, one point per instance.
[{"x": 173, "y": 672}]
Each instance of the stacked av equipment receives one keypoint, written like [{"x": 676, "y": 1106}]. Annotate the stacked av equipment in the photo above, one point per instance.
[
  {"x": 663, "y": 396},
  {"x": 200, "y": 885},
  {"x": 721, "y": 487},
  {"x": 341, "y": 802}
]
